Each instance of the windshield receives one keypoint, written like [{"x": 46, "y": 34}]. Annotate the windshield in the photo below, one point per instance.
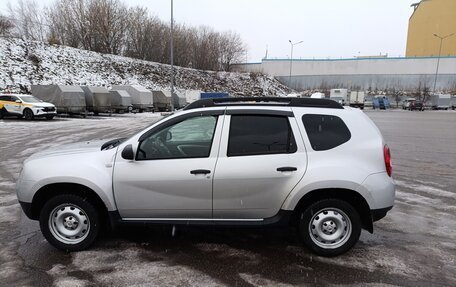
[
  {"x": 30, "y": 99},
  {"x": 115, "y": 142}
]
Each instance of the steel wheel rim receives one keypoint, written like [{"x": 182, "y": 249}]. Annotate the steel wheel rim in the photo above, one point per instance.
[
  {"x": 69, "y": 223},
  {"x": 330, "y": 228}
]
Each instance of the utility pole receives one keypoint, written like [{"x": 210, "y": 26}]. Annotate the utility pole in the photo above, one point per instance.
[
  {"x": 438, "y": 59},
  {"x": 172, "y": 58},
  {"x": 291, "y": 60}
]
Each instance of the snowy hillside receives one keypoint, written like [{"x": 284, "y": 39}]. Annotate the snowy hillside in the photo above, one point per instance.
[{"x": 23, "y": 63}]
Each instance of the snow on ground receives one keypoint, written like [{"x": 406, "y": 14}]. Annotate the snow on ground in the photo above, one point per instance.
[{"x": 69, "y": 66}]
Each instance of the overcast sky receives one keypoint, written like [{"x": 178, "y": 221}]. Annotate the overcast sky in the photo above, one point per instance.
[{"x": 328, "y": 28}]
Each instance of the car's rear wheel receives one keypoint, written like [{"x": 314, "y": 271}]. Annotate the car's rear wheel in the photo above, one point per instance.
[
  {"x": 28, "y": 114},
  {"x": 330, "y": 227},
  {"x": 69, "y": 222}
]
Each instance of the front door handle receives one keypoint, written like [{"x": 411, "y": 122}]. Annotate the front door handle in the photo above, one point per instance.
[
  {"x": 200, "y": 171},
  {"x": 287, "y": 168}
]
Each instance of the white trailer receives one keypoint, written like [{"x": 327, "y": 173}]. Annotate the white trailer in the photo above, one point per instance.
[
  {"x": 440, "y": 101},
  {"x": 357, "y": 99},
  {"x": 339, "y": 95},
  {"x": 317, "y": 96}
]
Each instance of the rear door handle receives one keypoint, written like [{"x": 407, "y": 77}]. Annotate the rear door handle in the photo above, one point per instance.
[
  {"x": 200, "y": 171},
  {"x": 287, "y": 168}
]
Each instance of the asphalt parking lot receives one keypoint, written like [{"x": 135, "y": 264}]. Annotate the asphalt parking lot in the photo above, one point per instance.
[{"x": 415, "y": 245}]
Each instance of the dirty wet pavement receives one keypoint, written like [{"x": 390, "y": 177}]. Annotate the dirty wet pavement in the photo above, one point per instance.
[{"x": 414, "y": 245}]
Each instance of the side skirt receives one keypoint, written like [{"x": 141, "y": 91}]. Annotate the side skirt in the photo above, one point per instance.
[{"x": 282, "y": 218}]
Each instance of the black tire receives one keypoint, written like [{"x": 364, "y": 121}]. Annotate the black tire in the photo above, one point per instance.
[
  {"x": 28, "y": 114},
  {"x": 49, "y": 117},
  {"x": 338, "y": 214},
  {"x": 63, "y": 208},
  {"x": 2, "y": 113}
]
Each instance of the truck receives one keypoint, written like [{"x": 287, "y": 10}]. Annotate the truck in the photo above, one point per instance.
[
  {"x": 339, "y": 95},
  {"x": 440, "y": 101},
  {"x": 357, "y": 99}
]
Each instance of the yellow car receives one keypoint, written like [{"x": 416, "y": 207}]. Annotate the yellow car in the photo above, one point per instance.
[{"x": 26, "y": 106}]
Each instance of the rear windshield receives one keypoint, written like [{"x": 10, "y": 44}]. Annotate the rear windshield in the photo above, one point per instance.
[{"x": 325, "y": 131}]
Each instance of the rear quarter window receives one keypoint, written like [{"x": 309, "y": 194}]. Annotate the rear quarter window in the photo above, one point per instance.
[{"x": 325, "y": 131}]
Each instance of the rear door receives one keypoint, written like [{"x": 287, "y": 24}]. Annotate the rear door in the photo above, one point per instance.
[
  {"x": 261, "y": 160},
  {"x": 9, "y": 104}
]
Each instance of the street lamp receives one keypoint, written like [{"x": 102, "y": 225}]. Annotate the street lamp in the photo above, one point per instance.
[
  {"x": 438, "y": 59},
  {"x": 291, "y": 59},
  {"x": 172, "y": 58}
]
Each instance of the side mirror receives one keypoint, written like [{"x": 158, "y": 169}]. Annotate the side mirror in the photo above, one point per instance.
[
  {"x": 18, "y": 101},
  {"x": 127, "y": 152}
]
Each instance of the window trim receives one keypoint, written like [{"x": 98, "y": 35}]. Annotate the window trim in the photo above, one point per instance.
[
  {"x": 175, "y": 121},
  {"x": 274, "y": 115}
]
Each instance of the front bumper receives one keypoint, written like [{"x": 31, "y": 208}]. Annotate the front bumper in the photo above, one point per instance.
[
  {"x": 27, "y": 208},
  {"x": 46, "y": 111}
]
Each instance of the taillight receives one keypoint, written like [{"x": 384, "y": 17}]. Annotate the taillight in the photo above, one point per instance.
[{"x": 387, "y": 156}]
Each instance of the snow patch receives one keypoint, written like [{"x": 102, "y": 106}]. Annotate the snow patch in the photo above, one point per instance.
[
  {"x": 427, "y": 189},
  {"x": 69, "y": 66}
]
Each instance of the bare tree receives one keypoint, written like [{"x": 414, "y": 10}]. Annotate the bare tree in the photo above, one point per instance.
[
  {"x": 109, "y": 19},
  {"x": 28, "y": 19},
  {"x": 422, "y": 93},
  {"x": 231, "y": 50},
  {"x": 5, "y": 26},
  {"x": 107, "y": 26}
]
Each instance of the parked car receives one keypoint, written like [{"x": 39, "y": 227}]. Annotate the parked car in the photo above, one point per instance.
[
  {"x": 416, "y": 106},
  {"x": 25, "y": 106},
  {"x": 306, "y": 163},
  {"x": 381, "y": 103},
  {"x": 406, "y": 103}
]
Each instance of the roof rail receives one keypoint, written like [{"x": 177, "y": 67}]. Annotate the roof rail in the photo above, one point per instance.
[{"x": 265, "y": 101}]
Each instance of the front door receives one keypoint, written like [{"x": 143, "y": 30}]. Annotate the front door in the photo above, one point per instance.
[{"x": 172, "y": 174}]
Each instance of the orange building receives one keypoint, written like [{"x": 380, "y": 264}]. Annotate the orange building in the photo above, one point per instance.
[{"x": 431, "y": 18}]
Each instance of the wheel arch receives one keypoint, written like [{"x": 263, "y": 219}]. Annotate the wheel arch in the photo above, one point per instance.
[
  {"x": 350, "y": 196},
  {"x": 48, "y": 191},
  {"x": 27, "y": 108}
]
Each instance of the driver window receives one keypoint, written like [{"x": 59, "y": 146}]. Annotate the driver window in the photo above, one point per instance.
[{"x": 190, "y": 138}]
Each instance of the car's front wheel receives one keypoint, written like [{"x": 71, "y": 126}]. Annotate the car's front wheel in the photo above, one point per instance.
[
  {"x": 69, "y": 222},
  {"x": 330, "y": 227},
  {"x": 28, "y": 114}
]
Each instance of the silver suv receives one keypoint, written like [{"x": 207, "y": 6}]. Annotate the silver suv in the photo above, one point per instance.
[{"x": 306, "y": 163}]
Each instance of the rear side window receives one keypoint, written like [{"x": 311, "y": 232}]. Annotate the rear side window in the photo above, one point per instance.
[
  {"x": 325, "y": 131},
  {"x": 258, "y": 134}
]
